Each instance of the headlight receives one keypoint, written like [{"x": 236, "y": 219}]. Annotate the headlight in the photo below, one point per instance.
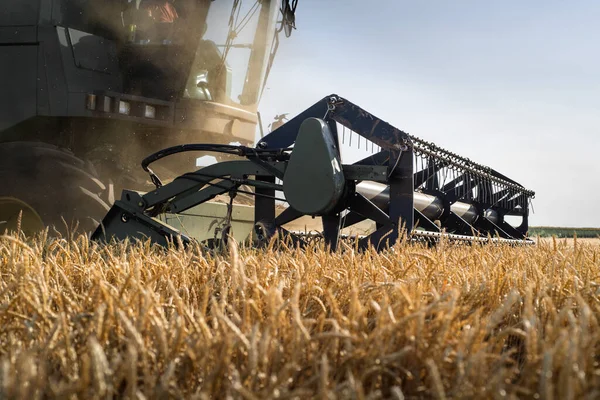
[
  {"x": 149, "y": 112},
  {"x": 90, "y": 101},
  {"x": 124, "y": 107}
]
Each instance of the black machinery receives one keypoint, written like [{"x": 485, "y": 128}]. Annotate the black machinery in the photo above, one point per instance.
[
  {"x": 89, "y": 87},
  {"x": 407, "y": 184}
]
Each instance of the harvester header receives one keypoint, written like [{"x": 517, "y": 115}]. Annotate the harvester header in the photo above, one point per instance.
[{"x": 405, "y": 184}]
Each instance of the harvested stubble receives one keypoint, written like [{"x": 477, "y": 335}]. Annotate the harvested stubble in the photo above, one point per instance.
[{"x": 82, "y": 321}]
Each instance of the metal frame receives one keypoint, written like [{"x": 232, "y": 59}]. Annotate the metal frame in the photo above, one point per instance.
[{"x": 473, "y": 186}]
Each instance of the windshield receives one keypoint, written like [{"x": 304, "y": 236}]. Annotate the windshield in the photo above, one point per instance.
[{"x": 224, "y": 52}]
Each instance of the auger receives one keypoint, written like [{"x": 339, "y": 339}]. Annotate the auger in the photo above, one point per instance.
[{"x": 407, "y": 184}]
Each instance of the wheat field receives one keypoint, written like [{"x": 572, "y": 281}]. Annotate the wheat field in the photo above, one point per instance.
[{"x": 78, "y": 320}]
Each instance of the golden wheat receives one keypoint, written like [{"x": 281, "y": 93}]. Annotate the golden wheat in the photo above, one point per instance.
[{"x": 78, "y": 320}]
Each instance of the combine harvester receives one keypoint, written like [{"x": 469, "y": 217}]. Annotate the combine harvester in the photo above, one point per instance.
[
  {"x": 91, "y": 87},
  {"x": 407, "y": 184}
]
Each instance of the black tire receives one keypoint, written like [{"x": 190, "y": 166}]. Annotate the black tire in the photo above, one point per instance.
[{"x": 55, "y": 184}]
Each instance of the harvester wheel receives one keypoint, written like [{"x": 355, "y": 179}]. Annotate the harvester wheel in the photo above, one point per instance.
[{"x": 44, "y": 181}]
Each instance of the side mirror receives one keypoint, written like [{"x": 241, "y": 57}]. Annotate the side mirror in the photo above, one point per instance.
[{"x": 202, "y": 84}]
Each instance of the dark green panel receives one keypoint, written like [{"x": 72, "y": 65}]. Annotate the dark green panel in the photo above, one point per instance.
[
  {"x": 18, "y": 95},
  {"x": 19, "y": 12},
  {"x": 314, "y": 182}
]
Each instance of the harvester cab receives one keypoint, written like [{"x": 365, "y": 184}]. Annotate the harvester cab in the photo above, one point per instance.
[{"x": 90, "y": 87}]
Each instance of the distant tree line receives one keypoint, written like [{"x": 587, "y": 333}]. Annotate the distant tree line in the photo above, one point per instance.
[{"x": 548, "y": 231}]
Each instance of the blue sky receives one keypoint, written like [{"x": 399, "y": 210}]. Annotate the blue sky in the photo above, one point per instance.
[{"x": 511, "y": 85}]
